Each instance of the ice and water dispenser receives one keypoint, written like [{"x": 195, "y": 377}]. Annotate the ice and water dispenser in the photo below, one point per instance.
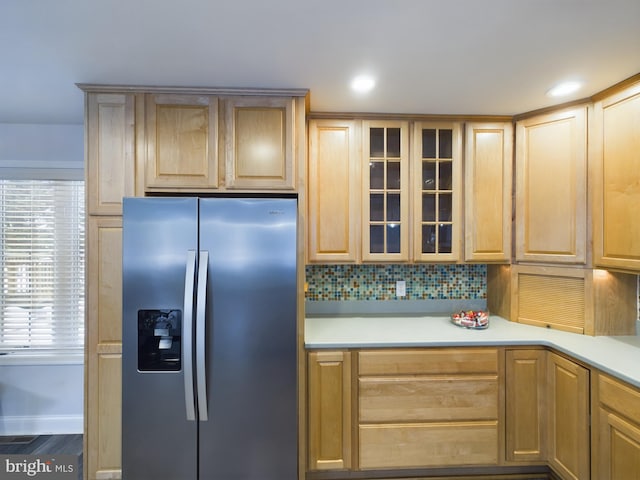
[{"x": 159, "y": 340}]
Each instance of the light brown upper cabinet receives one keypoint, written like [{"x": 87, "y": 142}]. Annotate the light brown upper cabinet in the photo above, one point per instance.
[
  {"x": 551, "y": 188},
  {"x": 385, "y": 191},
  {"x": 437, "y": 186},
  {"x": 182, "y": 141},
  {"x": 334, "y": 183},
  {"x": 487, "y": 187},
  {"x": 616, "y": 179},
  {"x": 259, "y": 142},
  {"x": 207, "y": 141},
  {"x": 110, "y": 131}
]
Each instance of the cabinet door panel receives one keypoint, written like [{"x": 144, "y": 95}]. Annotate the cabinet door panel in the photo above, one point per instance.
[
  {"x": 110, "y": 151},
  {"x": 488, "y": 180},
  {"x": 616, "y": 171},
  {"x": 329, "y": 410},
  {"x": 551, "y": 181},
  {"x": 182, "y": 136},
  {"x": 569, "y": 452},
  {"x": 259, "y": 142},
  {"x": 525, "y": 401},
  {"x": 436, "y": 168},
  {"x": 433, "y": 398},
  {"x": 385, "y": 191},
  {"x": 428, "y": 445},
  {"x": 334, "y": 191}
]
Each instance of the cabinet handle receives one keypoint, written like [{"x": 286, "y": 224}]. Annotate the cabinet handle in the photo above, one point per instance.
[
  {"x": 187, "y": 351},
  {"x": 201, "y": 337}
]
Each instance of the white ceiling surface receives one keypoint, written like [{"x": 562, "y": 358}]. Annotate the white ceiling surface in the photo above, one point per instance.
[{"x": 428, "y": 56}]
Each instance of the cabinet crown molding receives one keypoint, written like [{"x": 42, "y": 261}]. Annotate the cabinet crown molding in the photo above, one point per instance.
[{"x": 275, "y": 92}]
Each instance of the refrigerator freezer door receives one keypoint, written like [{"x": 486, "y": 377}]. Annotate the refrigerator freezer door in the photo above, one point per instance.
[
  {"x": 158, "y": 443},
  {"x": 251, "y": 431}
]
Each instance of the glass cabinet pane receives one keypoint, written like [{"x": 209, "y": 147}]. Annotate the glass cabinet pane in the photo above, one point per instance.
[
  {"x": 445, "y": 140},
  {"x": 393, "y": 175},
  {"x": 445, "y": 176},
  {"x": 445, "y": 232},
  {"x": 428, "y": 239},
  {"x": 428, "y": 143},
  {"x": 376, "y": 239},
  {"x": 376, "y": 175},
  {"x": 376, "y": 142},
  {"x": 428, "y": 175},
  {"x": 393, "y": 207},
  {"x": 376, "y": 207},
  {"x": 428, "y": 207},
  {"x": 393, "y": 238},
  {"x": 393, "y": 142},
  {"x": 445, "y": 207}
]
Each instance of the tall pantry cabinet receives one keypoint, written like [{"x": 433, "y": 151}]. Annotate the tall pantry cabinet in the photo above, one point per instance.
[{"x": 140, "y": 141}]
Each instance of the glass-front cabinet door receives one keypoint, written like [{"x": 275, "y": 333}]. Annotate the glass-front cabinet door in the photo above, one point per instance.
[
  {"x": 436, "y": 173},
  {"x": 385, "y": 220}
]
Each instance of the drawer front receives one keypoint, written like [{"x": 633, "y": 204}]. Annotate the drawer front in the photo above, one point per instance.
[
  {"x": 412, "y": 399},
  {"x": 619, "y": 397},
  {"x": 428, "y": 361},
  {"x": 417, "y": 445}
]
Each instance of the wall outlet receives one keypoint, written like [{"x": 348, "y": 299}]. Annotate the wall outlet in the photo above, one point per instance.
[{"x": 401, "y": 288}]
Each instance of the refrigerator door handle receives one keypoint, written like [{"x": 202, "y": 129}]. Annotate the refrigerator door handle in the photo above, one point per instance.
[
  {"x": 189, "y": 285},
  {"x": 201, "y": 337}
]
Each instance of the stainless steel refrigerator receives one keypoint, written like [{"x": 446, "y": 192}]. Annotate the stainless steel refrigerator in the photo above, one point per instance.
[{"x": 209, "y": 339}]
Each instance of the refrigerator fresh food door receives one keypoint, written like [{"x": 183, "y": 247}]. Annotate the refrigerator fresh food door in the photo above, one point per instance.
[
  {"x": 251, "y": 429},
  {"x": 159, "y": 251}
]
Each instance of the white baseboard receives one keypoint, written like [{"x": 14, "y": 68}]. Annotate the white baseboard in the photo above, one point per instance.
[{"x": 41, "y": 425}]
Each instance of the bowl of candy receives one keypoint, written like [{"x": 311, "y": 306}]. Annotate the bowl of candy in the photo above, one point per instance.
[{"x": 474, "y": 319}]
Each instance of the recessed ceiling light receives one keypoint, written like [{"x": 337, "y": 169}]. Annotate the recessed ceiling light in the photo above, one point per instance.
[
  {"x": 563, "y": 89},
  {"x": 363, "y": 83}
]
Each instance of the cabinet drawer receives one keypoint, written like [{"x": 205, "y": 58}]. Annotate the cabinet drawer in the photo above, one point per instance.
[
  {"x": 431, "y": 361},
  {"x": 418, "y": 445},
  {"x": 619, "y": 397},
  {"x": 465, "y": 397}
]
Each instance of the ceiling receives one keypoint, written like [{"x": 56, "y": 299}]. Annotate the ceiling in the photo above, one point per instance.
[{"x": 428, "y": 56}]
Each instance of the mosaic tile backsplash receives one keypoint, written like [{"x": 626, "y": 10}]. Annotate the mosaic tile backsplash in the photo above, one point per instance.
[{"x": 378, "y": 282}]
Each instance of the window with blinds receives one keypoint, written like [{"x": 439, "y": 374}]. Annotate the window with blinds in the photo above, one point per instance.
[{"x": 42, "y": 265}]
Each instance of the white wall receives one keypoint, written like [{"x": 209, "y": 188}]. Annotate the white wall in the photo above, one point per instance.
[{"x": 41, "y": 395}]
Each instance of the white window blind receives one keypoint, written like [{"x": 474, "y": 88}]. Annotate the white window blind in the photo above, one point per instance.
[{"x": 42, "y": 265}]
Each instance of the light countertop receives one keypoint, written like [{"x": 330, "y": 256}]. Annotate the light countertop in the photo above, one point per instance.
[{"x": 618, "y": 356}]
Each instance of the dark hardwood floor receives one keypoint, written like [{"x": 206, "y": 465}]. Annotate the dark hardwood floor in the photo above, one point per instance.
[{"x": 44, "y": 444}]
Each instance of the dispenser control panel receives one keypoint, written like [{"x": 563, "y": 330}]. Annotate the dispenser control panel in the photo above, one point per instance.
[{"x": 159, "y": 340}]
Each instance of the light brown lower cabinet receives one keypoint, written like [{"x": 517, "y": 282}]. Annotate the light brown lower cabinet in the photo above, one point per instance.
[
  {"x": 420, "y": 409},
  {"x": 428, "y": 408},
  {"x": 329, "y": 397},
  {"x": 569, "y": 444},
  {"x": 616, "y": 430},
  {"x": 525, "y": 403}
]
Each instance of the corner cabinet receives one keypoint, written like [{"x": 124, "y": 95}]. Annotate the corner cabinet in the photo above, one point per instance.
[
  {"x": 616, "y": 430},
  {"x": 616, "y": 179},
  {"x": 569, "y": 417},
  {"x": 551, "y": 188},
  {"x": 385, "y": 191}
]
